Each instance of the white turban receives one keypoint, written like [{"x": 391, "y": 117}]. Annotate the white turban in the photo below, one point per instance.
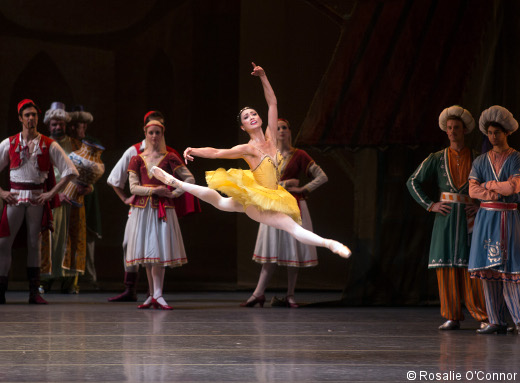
[
  {"x": 459, "y": 112},
  {"x": 500, "y": 115},
  {"x": 56, "y": 112}
]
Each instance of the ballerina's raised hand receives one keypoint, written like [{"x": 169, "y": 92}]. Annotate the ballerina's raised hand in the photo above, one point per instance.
[{"x": 256, "y": 191}]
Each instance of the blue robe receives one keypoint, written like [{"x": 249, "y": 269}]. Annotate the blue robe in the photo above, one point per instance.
[{"x": 488, "y": 250}]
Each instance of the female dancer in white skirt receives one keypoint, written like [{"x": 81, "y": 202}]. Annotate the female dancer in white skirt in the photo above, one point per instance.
[
  {"x": 256, "y": 191},
  {"x": 277, "y": 247},
  {"x": 153, "y": 236}
]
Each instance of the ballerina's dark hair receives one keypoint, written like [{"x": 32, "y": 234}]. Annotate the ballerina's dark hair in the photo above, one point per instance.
[{"x": 239, "y": 115}]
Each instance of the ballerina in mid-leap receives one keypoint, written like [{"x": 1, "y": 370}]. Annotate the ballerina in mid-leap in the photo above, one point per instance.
[{"x": 256, "y": 191}]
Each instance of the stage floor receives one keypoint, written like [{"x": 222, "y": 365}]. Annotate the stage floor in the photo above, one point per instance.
[{"x": 209, "y": 338}]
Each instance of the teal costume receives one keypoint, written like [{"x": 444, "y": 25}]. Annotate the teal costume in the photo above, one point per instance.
[{"x": 450, "y": 238}]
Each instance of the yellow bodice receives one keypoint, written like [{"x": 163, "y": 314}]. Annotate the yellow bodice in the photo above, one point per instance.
[
  {"x": 267, "y": 173},
  {"x": 258, "y": 187}
]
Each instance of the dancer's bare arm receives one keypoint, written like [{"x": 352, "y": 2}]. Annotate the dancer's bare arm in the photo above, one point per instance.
[
  {"x": 270, "y": 98},
  {"x": 239, "y": 151}
]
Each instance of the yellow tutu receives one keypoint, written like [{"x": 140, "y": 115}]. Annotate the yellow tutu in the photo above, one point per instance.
[{"x": 242, "y": 186}]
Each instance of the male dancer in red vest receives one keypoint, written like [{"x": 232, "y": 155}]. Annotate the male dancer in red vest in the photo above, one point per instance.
[{"x": 33, "y": 191}]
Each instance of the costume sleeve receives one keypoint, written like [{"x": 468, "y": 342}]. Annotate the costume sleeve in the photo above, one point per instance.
[
  {"x": 425, "y": 171},
  {"x": 134, "y": 166},
  {"x": 119, "y": 175},
  {"x": 61, "y": 161},
  {"x": 175, "y": 153},
  {"x": 184, "y": 174},
  {"x": 136, "y": 188},
  {"x": 4, "y": 154},
  {"x": 318, "y": 175},
  {"x": 509, "y": 187},
  {"x": 476, "y": 191},
  {"x": 506, "y": 188},
  {"x": 475, "y": 173}
]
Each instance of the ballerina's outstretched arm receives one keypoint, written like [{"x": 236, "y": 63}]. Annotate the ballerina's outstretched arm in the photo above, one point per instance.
[
  {"x": 274, "y": 219},
  {"x": 238, "y": 151}
]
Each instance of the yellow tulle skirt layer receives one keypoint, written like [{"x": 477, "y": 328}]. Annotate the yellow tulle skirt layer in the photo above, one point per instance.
[{"x": 242, "y": 187}]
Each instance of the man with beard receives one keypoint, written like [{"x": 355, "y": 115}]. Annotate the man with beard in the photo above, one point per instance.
[
  {"x": 77, "y": 128},
  {"x": 65, "y": 261}
]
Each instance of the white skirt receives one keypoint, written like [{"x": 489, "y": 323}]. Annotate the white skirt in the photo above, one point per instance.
[
  {"x": 149, "y": 240},
  {"x": 278, "y": 246}
]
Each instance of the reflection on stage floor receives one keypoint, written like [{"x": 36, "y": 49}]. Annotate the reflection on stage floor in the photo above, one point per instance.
[{"x": 208, "y": 337}]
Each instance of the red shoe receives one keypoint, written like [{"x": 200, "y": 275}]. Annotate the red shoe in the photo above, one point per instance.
[
  {"x": 157, "y": 305},
  {"x": 125, "y": 296},
  {"x": 147, "y": 305},
  {"x": 284, "y": 302},
  {"x": 37, "y": 300},
  {"x": 260, "y": 300},
  {"x": 130, "y": 293},
  {"x": 292, "y": 305}
]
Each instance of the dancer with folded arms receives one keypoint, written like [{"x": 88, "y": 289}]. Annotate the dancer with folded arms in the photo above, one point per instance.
[{"x": 495, "y": 247}]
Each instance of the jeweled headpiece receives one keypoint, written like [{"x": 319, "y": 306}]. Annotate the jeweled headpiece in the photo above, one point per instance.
[{"x": 240, "y": 114}]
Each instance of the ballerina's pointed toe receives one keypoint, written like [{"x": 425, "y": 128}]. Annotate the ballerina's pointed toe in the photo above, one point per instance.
[
  {"x": 344, "y": 252},
  {"x": 339, "y": 248},
  {"x": 164, "y": 177}
]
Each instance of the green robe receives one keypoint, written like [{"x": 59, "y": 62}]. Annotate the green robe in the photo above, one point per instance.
[{"x": 450, "y": 238}]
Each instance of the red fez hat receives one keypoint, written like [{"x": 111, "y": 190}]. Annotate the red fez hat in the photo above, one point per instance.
[
  {"x": 148, "y": 115},
  {"x": 25, "y": 102}
]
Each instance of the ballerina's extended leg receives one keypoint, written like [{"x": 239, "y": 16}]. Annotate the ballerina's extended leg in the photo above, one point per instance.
[
  {"x": 286, "y": 223},
  {"x": 276, "y": 220},
  {"x": 204, "y": 193}
]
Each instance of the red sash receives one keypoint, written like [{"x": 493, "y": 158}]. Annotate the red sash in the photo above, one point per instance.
[{"x": 186, "y": 203}]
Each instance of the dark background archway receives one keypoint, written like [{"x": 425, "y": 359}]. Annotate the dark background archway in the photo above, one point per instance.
[{"x": 40, "y": 80}]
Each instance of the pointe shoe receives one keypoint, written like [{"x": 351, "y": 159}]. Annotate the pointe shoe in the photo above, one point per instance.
[
  {"x": 260, "y": 300},
  {"x": 492, "y": 328},
  {"x": 338, "y": 248},
  {"x": 157, "y": 305},
  {"x": 164, "y": 177},
  {"x": 147, "y": 305},
  {"x": 450, "y": 325}
]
